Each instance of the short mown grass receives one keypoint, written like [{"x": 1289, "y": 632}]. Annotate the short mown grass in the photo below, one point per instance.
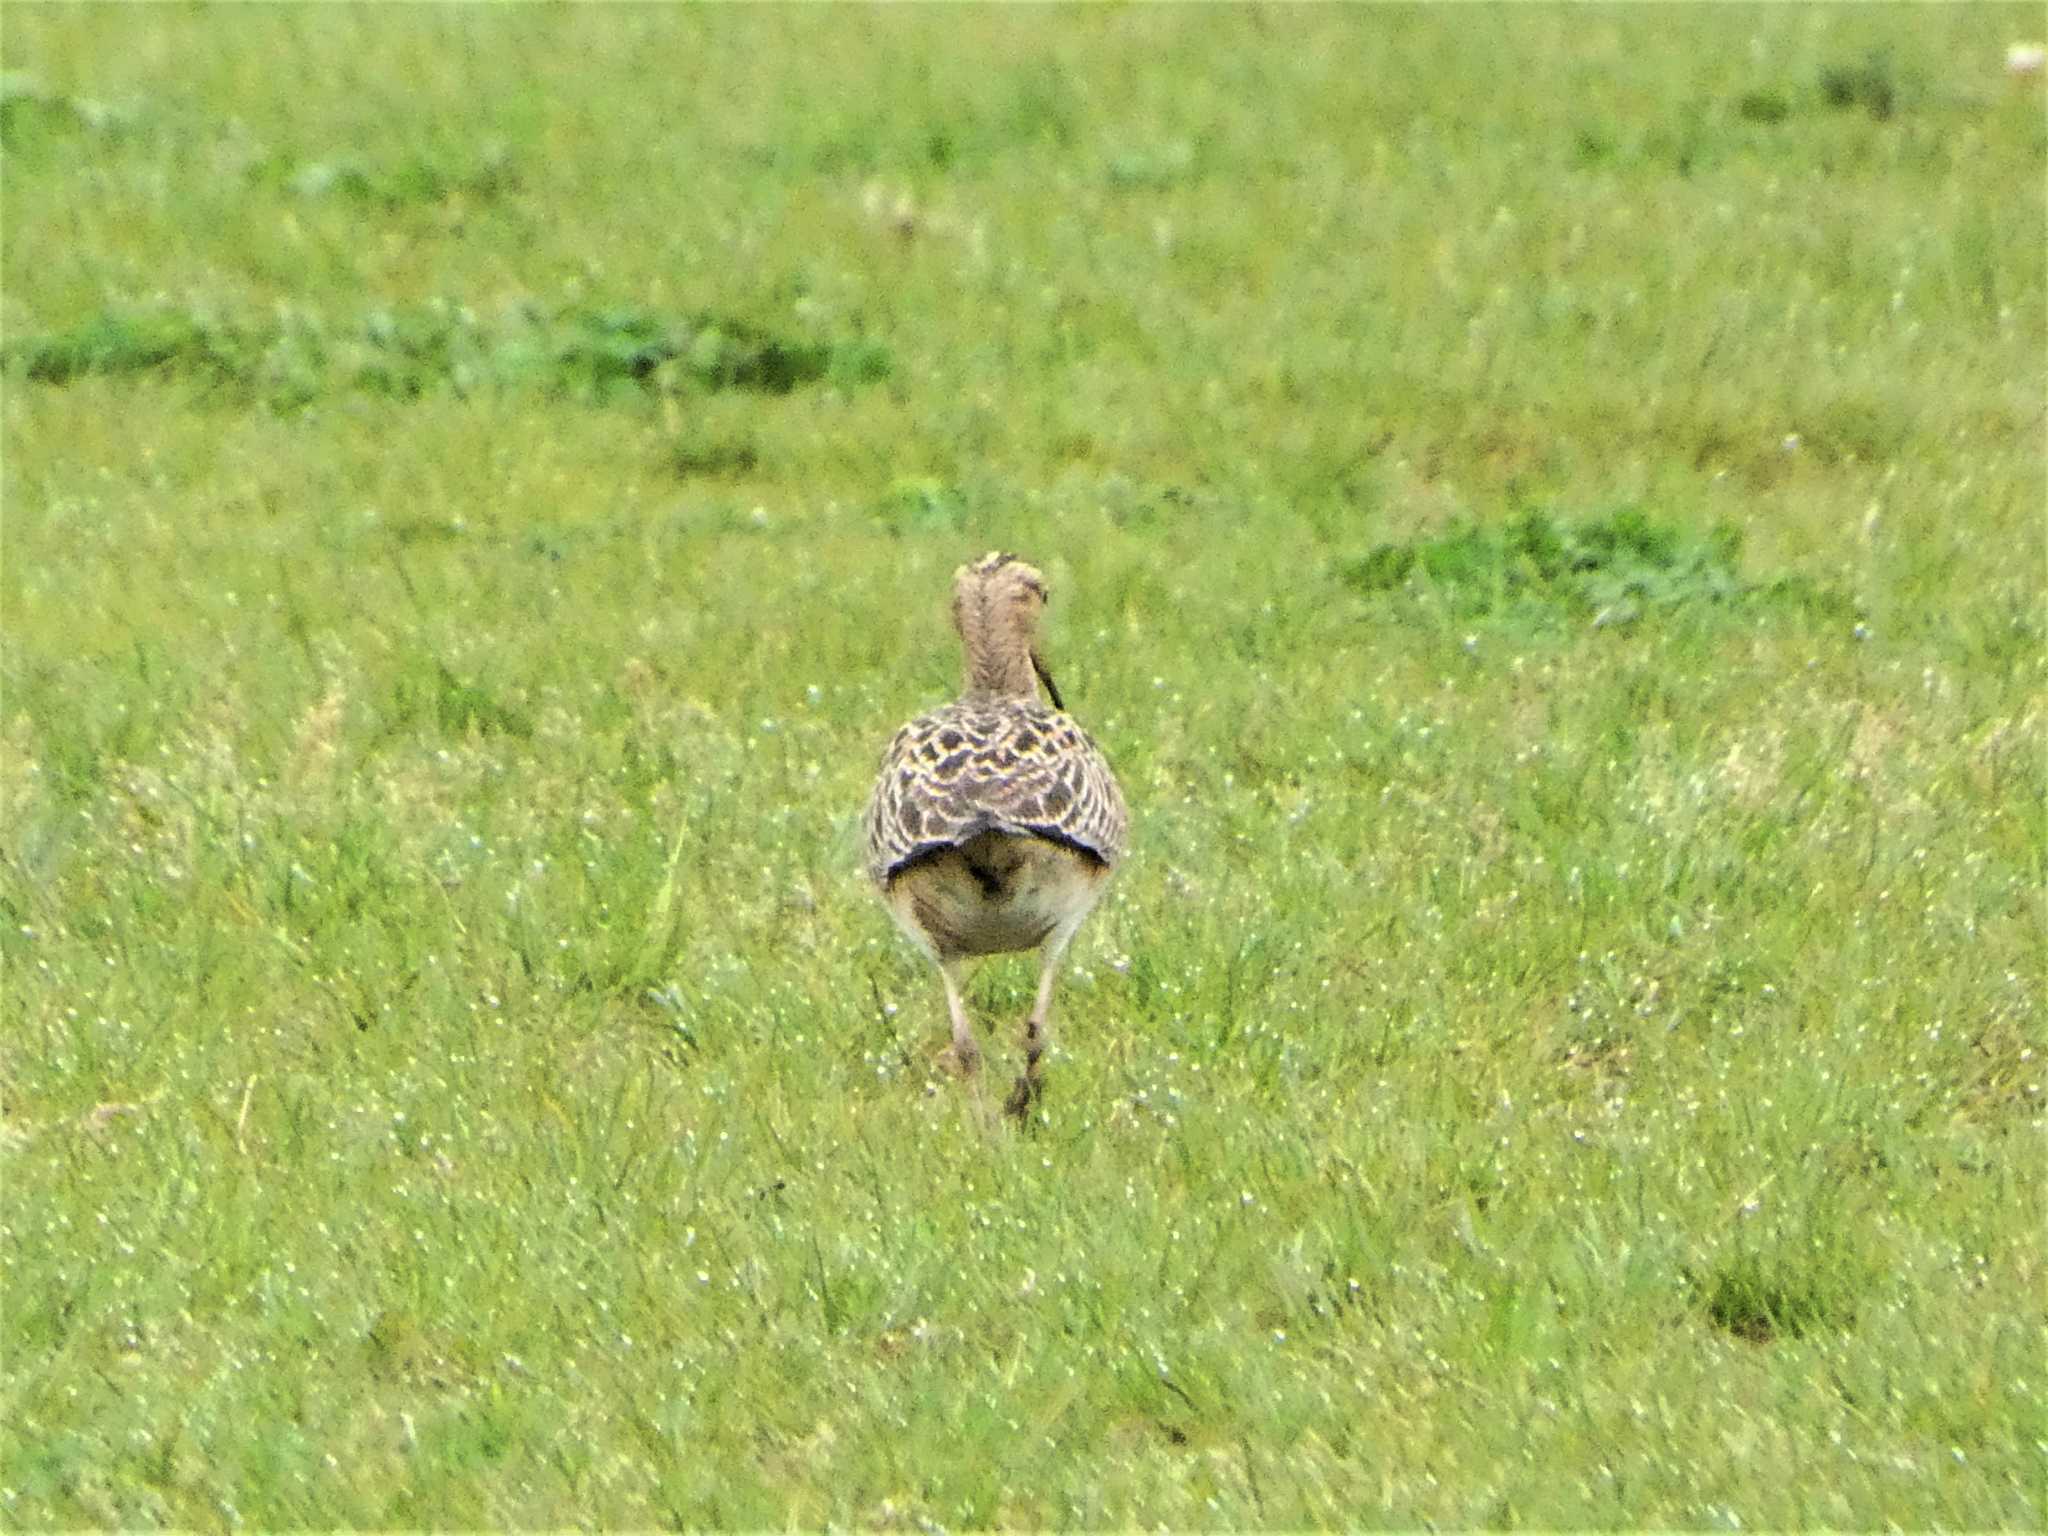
[{"x": 1544, "y": 517}]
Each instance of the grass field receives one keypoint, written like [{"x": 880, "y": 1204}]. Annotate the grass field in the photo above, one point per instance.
[{"x": 1544, "y": 510}]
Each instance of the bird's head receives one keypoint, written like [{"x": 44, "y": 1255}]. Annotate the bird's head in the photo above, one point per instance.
[{"x": 996, "y": 603}]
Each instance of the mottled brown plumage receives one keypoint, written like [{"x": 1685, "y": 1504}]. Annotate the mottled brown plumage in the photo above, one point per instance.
[
  {"x": 996, "y": 822},
  {"x": 1012, "y": 766}
]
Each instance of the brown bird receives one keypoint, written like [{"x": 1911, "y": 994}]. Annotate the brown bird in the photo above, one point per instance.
[{"x": 996, "y": 822}]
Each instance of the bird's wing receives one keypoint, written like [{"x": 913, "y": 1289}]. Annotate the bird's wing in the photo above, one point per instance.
[{"x": 970, "y": 768}]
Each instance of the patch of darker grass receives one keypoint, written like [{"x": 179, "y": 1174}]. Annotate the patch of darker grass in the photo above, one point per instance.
[
  {"x": 595, "y": 355},
  {"x": 418, "y": 180},
  {"x": 1607, "y": 570},
  {"x": 1871, "y": 84},
  {"x": 1763, "y": 106},
  {"x": 134, "y": 342},
  {"x": 1759, "y": 1299},
  {"x": 434, "y": 697},
  {"x": 32, "y": 116},
  {"x": 918, "y": 507},
  {"x": 400, "y": 1348},
  {"x": 714, "y": 458},
  {"x": 596, "y": 349}
]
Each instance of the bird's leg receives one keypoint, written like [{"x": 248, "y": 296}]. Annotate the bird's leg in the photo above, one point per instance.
[
  {"x": 966, "y": 1050},
  {"x": 1036, "y": 1038}
]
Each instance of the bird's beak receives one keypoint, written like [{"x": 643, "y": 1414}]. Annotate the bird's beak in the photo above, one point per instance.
[{"x": 1045, "y": 677}]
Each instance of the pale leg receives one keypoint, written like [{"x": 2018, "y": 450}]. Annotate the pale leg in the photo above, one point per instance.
[
  {"x": 1037, "y": 1027},
  {"x": 966, "y": 1050}
]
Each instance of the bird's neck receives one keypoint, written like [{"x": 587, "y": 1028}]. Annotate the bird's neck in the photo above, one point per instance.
[{"x": 998, "y": 659}]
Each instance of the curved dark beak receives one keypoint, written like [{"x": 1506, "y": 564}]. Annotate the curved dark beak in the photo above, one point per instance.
[{"x": 1045, "y": 677}]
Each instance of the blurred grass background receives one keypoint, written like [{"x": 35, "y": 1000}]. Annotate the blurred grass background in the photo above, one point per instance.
[{"x": 1544, "y": 511}]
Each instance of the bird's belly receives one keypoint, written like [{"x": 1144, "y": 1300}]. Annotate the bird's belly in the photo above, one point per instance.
[{"x": 995, "y": 893}]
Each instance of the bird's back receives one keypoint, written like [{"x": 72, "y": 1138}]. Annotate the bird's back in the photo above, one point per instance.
[{"x": 1007, "y": 766}]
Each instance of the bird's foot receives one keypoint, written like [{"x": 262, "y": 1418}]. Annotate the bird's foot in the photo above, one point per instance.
[{"x": 1027, "y": 1092}]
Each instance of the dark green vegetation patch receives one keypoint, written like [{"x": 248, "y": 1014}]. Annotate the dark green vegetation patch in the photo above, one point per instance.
[
  {"x": 589, "y": 353},
  {"x": 413, "y": 180},
  {"x": 1610, "y": 569},
  {"x": 1761, "y": 1299},
  {"x": 31, "y": 113}
]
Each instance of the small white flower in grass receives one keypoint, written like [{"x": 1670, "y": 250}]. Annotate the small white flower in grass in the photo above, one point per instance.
[{"x": 2023, "y": 59}]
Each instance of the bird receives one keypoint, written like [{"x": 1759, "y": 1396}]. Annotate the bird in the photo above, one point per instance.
[{"x": 996, "y": 823}]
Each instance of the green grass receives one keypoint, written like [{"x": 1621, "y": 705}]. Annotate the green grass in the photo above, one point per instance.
[
  {"x": 583, "y": 354},
  {"x": 1545, "y": 518}
]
